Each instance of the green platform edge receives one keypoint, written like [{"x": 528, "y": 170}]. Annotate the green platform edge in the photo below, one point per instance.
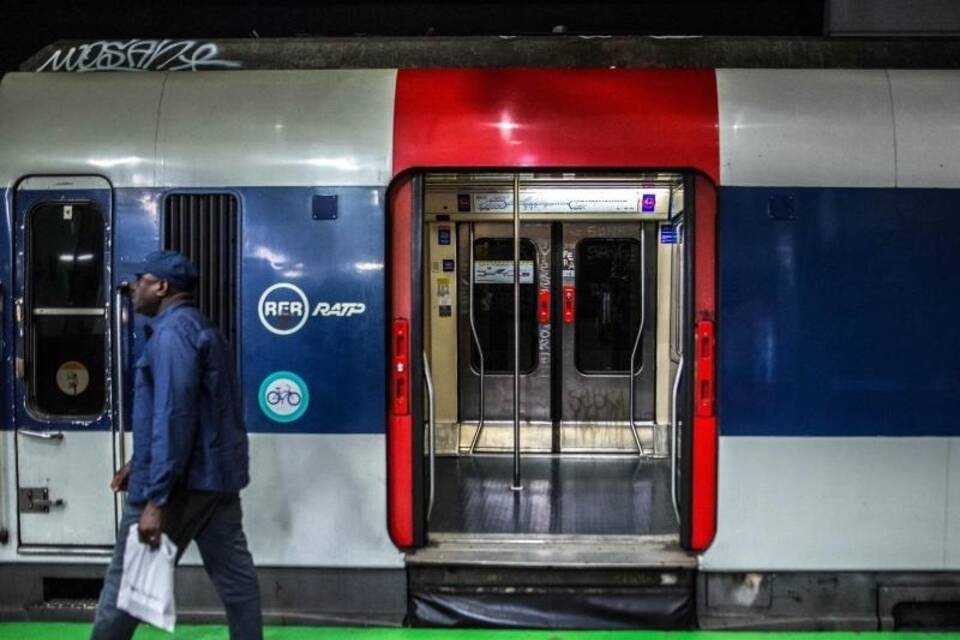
[{"x": 79, "y": 631}]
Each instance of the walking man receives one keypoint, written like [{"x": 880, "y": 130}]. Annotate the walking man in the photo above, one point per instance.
[{"x": 190, "y": 456}]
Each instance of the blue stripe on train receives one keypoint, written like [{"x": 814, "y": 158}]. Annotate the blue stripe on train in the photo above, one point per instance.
[
  {"x": 340, "y": 358},
  {"x": 842, "y": 318},
  {"x": 842, "y": 321},
  {"x": 288, "y": 235}
]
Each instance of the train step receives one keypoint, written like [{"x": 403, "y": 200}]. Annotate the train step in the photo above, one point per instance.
[
  {"x": 637, "y": 552},
  {"x": 552, "y": 582}
]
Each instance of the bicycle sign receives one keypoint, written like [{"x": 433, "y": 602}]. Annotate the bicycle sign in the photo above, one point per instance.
[{"x": 283, "y": 396}]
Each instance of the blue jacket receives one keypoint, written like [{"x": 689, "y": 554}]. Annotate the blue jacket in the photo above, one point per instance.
[{"x": 187, "y": 425}]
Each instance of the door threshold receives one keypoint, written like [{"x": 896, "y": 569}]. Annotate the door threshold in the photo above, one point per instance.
[
  {"x": 561, "y": 551},
  {"x": 568, "y": 454}
]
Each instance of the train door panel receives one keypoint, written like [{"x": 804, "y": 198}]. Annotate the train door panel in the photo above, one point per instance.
[
  {"x": 486, "y": 344},
  {"x": 604, "y": 280},
  {"x": 608, "y": 327},
  {"x": 62, "y": 403}
]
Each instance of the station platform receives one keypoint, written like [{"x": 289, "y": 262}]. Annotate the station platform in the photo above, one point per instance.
[{"x": 78, "y": 631}]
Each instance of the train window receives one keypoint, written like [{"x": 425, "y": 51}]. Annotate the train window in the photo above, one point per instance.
[
  {"x": 608, "y": 304},
  {"x": 66, "y": 328},
  {"x": 493, "y": 305},
  {"x": 204, "y": 227}
]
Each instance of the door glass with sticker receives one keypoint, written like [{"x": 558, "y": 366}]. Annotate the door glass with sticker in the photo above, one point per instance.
[
  {"x": 65, "y": 317},
  {"x": 493, "y": 305}
]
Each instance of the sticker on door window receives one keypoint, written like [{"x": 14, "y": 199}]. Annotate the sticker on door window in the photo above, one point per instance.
[
  {"x": 73, "y": 378},
  {"x": 283, "y": 396},
  {"x": 501, "y": 272}
]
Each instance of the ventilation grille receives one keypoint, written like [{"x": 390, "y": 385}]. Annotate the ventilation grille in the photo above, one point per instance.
[{"x": 203, "y": 226}]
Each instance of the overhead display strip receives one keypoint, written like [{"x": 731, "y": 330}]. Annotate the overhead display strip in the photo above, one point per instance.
[{"x": 564, "y": 198}]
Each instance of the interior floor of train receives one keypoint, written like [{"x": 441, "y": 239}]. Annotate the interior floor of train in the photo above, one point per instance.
[{"x": 583, "y": 495}]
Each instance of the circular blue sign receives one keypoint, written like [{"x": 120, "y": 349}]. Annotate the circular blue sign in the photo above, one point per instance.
[{"x": 283, "y": 396}]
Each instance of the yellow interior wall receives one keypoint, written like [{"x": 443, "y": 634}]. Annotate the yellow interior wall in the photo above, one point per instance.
[{"x": 442, "y": 293}]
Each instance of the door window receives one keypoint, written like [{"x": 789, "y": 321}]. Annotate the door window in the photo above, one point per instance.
[
  {"x": 65, "y": 310},
  {"x": 608, "y": 303},
  {"x": 493, "y": 305}
]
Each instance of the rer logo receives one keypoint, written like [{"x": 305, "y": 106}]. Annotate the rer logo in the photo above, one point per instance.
[{"x": 283, "y": 308}]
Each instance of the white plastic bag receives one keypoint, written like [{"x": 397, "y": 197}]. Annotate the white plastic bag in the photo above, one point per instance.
[{"x": 146, "y": 588}]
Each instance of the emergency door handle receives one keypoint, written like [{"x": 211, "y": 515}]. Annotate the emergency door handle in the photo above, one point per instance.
[
  {"x": 543, "y": 307},
  {"x": 569, "y": 306},
  {"x": 400, "y": 368},
  {"x": 705, "y": 369},
  {"x": 41, "y": 435},
  {"x": 20, "y": 365},
  {"x": 120, "y": 324}
]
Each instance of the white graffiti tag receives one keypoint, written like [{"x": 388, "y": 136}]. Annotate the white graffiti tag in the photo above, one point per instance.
[{"x": 137, "y": 55}]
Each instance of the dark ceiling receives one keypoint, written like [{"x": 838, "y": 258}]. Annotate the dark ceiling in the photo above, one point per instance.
[{"x": 27, "y": 27}]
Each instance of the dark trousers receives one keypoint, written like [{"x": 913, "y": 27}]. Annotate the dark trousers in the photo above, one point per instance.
[{"x": 214, "y": 521}]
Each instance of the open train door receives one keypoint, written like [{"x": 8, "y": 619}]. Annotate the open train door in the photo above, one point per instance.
[
  {"x": 65, "y": 440},
  {"x": 691, "y": 390},
  {"x": 454, "y": 131}
]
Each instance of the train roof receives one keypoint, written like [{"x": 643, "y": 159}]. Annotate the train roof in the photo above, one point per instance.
[{"x": 564, "y": 51}]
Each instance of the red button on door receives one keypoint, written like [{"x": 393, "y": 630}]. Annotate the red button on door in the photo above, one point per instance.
[
  {"x": 569, "y": 309},
  {"x": 543, "y": 307},
  {"x": 705, "y": 369}
]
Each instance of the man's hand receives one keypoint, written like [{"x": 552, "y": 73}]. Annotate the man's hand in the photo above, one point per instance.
[
  {"x": 120, "y": 479},
  {"x": 151, "y": 525}
]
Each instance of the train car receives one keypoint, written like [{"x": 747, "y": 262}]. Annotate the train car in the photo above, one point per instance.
[{"x": 519, "y": 346}]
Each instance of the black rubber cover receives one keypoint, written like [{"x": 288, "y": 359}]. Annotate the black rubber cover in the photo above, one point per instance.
[{"x": 556, "y": 608}]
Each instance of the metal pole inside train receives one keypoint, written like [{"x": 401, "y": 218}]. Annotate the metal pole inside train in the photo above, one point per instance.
[{"x": 516, "y": 333}]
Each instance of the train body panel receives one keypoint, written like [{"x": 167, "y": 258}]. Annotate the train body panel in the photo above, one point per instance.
[
  {"x": 142, "y": 130},
  {"x": 805, "y": 128},
  {"x": 107, "y": 127},
  {"x": 295, "y": 515},
  {"x": 831, "y": 371},
  {"x": 834, "y": 504},
  {"x": 829, "y": 444},
  {"x": 926, "y": 132},
  {"x": 335, "y": 339},
  {"x": 951, "y": 555},
  {"x": 277, "y": 128},
  {"x": 529, "y": 118},
  {"x": 152, "y": 139},
  {"x": 833, "y": 304}
]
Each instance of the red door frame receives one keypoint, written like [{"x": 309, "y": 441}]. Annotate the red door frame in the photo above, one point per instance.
[{"x": 582, "y": 119}]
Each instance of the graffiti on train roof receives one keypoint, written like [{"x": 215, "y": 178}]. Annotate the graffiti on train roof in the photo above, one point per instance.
[{"x": 568, "y": 51}]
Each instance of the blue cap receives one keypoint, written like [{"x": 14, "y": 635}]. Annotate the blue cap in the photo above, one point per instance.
[{"x": 171, "y": 266}]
